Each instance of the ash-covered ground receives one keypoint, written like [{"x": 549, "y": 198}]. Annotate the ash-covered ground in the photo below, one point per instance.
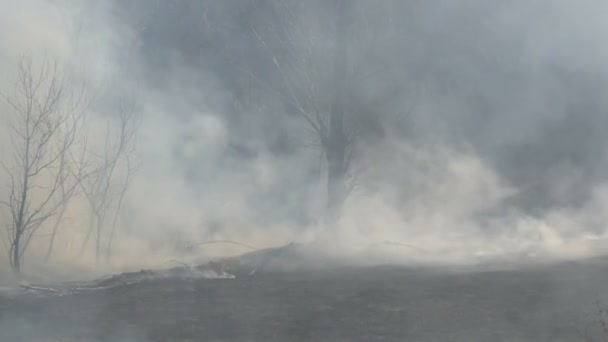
[{"x": 557, "y": 302}]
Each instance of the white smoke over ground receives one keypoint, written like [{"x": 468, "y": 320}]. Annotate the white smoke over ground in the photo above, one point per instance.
[
  {"x": 445, "y": 221},
  {"x": 438, "y": 200}
]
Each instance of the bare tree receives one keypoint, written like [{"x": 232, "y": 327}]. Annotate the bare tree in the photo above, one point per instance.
[
  {"x": 317, "y": 89},
  {"x": 103, "y": 190},
  {"x": 68, "y": 190},
  {"x": 43, "y": 126},
  {"x": 131, "y": 168}
]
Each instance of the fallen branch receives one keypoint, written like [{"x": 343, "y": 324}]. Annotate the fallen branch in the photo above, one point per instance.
[
  {"x": 226, "y": 242},
  {"x": 42, "y": 289},
  {"x": 180, "y": 262},
  {"x": 401, "y": 244}
]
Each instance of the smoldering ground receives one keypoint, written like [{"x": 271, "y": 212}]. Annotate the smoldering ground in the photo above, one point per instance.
[{"x": 481, "y": 126}]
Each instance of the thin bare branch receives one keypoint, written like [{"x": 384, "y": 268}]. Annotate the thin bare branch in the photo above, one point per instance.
[{"x": 43, "y": 131}]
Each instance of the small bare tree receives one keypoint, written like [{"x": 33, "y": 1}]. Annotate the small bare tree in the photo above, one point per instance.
[
  {"x": 68, "y": 190},
  {"x": 103, "y": 190},
  {"x": 43, "y": 126}
]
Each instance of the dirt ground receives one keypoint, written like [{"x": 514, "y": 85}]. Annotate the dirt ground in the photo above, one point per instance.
[{"x": 549, "y": 303}]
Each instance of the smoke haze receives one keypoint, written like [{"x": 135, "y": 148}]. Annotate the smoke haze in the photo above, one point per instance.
[{"x": 482, "y": 123}]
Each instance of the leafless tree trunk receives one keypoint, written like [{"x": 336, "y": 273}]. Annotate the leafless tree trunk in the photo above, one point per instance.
[
  {"x": 44, "y": 128},
  {"x": 68, "y": 191},
  {"x": 104, "y": 197},
  {"x": 304, "y": 88},
  {"x": 338, "y": 145},
  {"x": 131, "y": 169}
]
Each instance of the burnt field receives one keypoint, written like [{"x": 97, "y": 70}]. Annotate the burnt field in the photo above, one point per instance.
[{"x": 548, "y": 303}]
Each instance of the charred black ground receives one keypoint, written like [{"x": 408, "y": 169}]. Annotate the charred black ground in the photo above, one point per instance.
[{"x": 382, "y": 303}]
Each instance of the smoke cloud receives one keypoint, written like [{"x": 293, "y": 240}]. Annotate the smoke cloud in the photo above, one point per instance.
[{"x": 482, "y": 124}]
